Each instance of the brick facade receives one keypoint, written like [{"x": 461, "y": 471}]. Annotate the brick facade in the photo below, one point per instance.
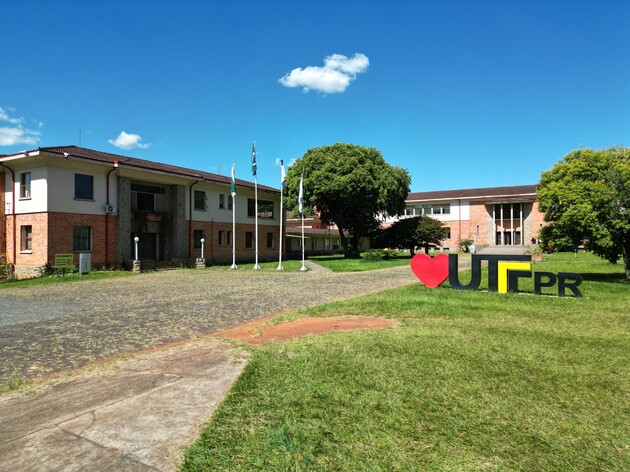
[{"x": 215, "y": 252}]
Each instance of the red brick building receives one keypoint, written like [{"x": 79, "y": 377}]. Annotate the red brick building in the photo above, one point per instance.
[
  {"x": 495, "y": 216},
  {"x": 75, "y": 200}
]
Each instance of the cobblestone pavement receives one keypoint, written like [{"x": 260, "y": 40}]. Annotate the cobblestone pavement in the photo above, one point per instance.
[{"x": 49, "y": 328}]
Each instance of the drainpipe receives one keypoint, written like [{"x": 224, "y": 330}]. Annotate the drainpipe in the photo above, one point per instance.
[
  {"x": 12, "y": 210},
  {"x": 107, "y": 212},
  {"x": 190, "y": 209},
  {"x": 459, "y": 217}
]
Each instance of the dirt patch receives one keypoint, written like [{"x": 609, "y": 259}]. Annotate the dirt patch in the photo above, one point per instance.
[{"x": 258, "y": 332}]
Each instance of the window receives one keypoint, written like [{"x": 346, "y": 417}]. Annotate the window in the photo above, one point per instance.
[
  {"x": 147, "y": 197},
  {"x": 442, "y": 209},
  {"x": 82, "y": 240},
  {"x": 83, "y": 186},
  {"x": 438, "y": 209},
  {"x": 271, "y": 240},
  {"x": 251, "y": 208},
  {"x": 200, "y": 200},
  {"x": 447, "y": 233},
  {"x": 197, "y": 235},
  {"x": 225, "y": 238},
  {"x": 265, "y": 208},
  {"x": 249, "y": 240},
  {"x": 221, "y": 201},
  {"x": 27, "y": 238},
  {"x": 230, "y": 202},
  {"x": 25, "y": 185}
]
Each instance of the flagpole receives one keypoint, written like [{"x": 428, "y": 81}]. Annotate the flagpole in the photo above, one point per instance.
[
  {"x": 233, "y": 191},
  {"x": 301, "y": 204},
  {"x": 254, "y": 170},
  {"x": 256, "y": 266},
  {"x": 281, "y": 214}
]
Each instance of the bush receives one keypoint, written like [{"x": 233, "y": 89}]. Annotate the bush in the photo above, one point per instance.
[
  {"x": 374, "y": 255},
  {"x": 465, "y": 244}
]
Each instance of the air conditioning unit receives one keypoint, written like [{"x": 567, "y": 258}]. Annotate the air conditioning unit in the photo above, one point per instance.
[{"x": 109, "y": 209}]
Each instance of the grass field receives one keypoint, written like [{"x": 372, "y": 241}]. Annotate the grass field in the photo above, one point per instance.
[
  {"x": 56, "y": 279},
  {"x": 469, "y": 381},
  {"x": 337, "y": 263}
]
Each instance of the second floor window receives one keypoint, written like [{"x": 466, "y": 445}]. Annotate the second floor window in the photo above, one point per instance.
[
  {"x": 200, "y": 200},
  {"x": 25, "y": 185},
  {"x": 147, "y": 197},
  {"x": 265, "y": 208},
  {"x": 222, "y": 201},
  {"x": 83, "y": 186}
]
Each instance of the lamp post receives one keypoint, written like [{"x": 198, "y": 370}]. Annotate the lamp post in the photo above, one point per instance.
[
  {"x": 203, "y": 240},
  {"x": 136, "y": 261}
]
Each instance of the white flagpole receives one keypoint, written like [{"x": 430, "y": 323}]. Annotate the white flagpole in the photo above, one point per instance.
[
  {"x": 233, "y": 191},
  {"x": 281, "y": 214},
  {"x": 301, "y": 207},
  {"x": 256, "y": 266}
]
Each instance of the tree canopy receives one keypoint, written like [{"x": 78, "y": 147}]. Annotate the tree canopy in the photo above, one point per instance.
[
  {"x": 409, "y": 233},
  {"x": 585, "y": 198},
  {"x": 349, "y": 186}
]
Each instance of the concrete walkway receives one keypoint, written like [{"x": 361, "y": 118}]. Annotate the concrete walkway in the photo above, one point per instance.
[{"x": 137, "y": 415}]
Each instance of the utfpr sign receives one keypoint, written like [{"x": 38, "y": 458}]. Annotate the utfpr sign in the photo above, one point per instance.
[{"x": 504, "y": 273}]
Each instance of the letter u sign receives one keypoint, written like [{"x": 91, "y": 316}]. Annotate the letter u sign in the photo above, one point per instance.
[{"x": 504, "y": 272}]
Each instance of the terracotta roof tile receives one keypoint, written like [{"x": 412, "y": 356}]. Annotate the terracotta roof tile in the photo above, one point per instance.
[
  {"x": 489, "y": 192},
  {"x": 100, "y": 156}
]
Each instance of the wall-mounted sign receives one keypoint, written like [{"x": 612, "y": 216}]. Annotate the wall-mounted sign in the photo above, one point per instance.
[{"x": 504, "y": 272}]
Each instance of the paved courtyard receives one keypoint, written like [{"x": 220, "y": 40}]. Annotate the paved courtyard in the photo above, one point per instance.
[{"x": 60, "y": 326}]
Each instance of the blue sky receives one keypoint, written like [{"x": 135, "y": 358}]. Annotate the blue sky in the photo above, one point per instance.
[{"x": 461, "y": 93}]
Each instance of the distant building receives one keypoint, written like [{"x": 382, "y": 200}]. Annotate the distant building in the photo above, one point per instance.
[
  {"x": 70, "y": 199},
  {"x": 495, "y": 216}
]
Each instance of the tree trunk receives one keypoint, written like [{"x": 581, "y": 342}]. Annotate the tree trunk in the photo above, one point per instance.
[
  {"x": 411, "y": 251},
  {"x": 344, "y": 242},
  {"x": 626, "y": 259},
  {"x": 353, "y": 248}
]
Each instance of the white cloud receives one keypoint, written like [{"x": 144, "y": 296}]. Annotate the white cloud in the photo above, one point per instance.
[
  {"x": 19, "y": 135},
  {"x": 128, "y": 141},
  {"x": 16, "y": 134},
  {"x": 334, "y": 77}
]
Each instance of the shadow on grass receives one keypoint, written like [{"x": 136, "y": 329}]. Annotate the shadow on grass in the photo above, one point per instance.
[{"x": 609, "y": 278}]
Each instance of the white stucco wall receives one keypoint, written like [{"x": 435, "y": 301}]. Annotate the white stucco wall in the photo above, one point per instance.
[
  {"x": 38, "y": 200},
  {"x": 61, "y": 190},
  {"x": 214, "y": 213}
]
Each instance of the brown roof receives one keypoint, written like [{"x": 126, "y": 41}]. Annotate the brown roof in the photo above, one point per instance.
[
  {"x": 489, "y": 192},
  {"x": 106, "y": 157}
]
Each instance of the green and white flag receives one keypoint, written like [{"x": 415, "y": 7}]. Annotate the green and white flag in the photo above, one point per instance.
[
  {"x": 233, "y": 185},
  {"x": 254, "y": 159}
]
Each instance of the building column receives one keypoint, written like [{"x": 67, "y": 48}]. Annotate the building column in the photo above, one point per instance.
[{"x": 123, "y": 220}]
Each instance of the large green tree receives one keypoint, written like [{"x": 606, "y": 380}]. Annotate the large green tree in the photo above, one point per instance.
[
  {"x": 349, "y": 186},
  {"x": 586, "y": 200}
]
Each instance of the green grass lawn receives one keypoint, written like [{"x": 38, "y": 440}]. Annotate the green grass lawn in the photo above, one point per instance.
[
  {"x": 337, "y": 263},
  {"x": 469, "y": 381},
  {"x": 59, "y": 278},
  {"x": 287, "y": 265}
]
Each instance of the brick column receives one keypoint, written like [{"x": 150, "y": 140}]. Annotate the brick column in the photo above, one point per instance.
[{"x": 123, "y": 223}]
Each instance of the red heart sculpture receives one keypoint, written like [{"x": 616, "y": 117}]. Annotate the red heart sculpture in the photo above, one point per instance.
[{"x": 431, "y": 271}]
